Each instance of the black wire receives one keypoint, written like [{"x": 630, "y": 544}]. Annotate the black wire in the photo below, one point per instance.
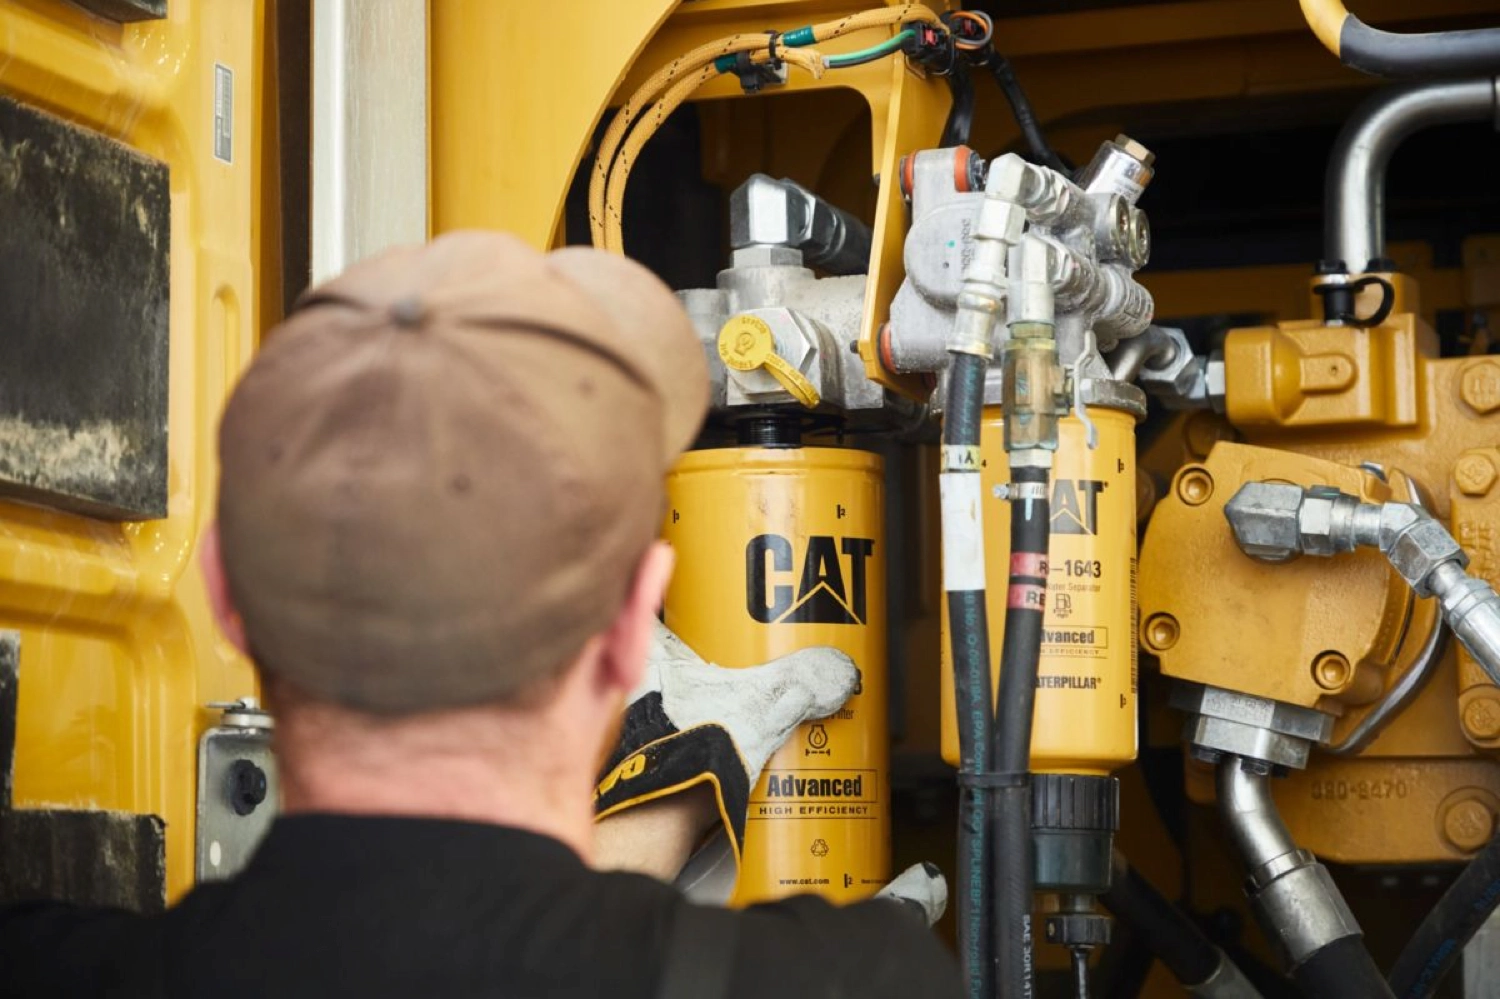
[
  {"x": 1020, "y": 106},
  {"x": 961, "y": 115}
]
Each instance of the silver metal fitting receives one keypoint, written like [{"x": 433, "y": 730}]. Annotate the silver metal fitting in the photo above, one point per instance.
[
  {"x": 1171, "y": 372},
  {"x": 1122, "y": 166},
  {"x": 1214, "y": 382},
  {"x": 1277, "y": 521},
  {"x": 1420, "y": 549},
  {"x": 1292, "y": 895},
  {"x": 1265, "y": 732},
  {"x": 245, "y": 713},
  {"x": 1263, "y": 517},
  {"x": 1302, "y": 912},
  {"x": 768, "y": 212},
  {"x": 1472, "y": 610},
  {"x": 1417, "y": 549}
]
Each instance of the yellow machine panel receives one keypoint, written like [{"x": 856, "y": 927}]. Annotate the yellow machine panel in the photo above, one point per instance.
[
  {"x": 119, "y": 657},
  {"x": 780, "y": 549}
]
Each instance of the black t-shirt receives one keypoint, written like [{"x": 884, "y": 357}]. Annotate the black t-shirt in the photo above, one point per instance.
[{"x": 373, "y": 907}]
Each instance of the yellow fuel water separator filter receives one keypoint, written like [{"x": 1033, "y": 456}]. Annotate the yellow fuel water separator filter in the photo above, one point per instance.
[
  {"x": 1085, "y": 721},
  {"x": 781, "y": 549}
]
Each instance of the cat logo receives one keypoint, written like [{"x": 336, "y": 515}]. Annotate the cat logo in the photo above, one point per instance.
[
  {"x": 1075, "y": 506},
  {"x": 820, "y": 595}
]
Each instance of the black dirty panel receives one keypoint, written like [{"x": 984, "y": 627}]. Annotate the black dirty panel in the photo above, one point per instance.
[
  {"x": 91, "y": 858},
  {"x": 85, "y": 224},
  {"x": 126, "y": 10},
  {"x": 10, "y": 660}
]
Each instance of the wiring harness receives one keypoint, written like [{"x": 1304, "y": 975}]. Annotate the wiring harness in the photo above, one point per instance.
[{"x": 756, "y": 58}]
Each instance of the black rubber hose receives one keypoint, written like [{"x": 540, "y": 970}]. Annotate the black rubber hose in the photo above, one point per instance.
[
  {"x": 1342, "y": 970},
  {"x": 969, "y": 637},
  {"x": 1020, "y": 106},
  {"x": 1439, "y": 940},
  {"x": 1439, "y": 54},
  {"x": 1165, "y": 930},
  {"x": 1026, "y": 599}
]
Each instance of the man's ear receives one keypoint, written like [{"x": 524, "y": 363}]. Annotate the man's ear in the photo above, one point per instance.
[
  {"x": 629, "y": 638},
  {"x": 218, "y": 590}
]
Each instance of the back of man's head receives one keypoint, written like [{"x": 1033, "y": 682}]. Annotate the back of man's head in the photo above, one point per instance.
[{"x": 441, "y": 473}]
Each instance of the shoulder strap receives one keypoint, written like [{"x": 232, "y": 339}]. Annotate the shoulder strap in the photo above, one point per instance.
[{"x": 700, "y": 953}]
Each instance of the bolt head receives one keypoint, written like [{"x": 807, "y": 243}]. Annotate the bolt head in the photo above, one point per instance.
[
  {"x": 1481, "y": 718},
  {"x": 1480, "y": 386},
  {"x": 1474, "y": 474},
  {"x": 1468, "y": 824},
  {"x": 1332, "y": 671}
]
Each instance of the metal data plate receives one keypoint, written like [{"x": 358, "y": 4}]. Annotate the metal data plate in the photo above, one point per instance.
[{"x": 229, "y": 830}]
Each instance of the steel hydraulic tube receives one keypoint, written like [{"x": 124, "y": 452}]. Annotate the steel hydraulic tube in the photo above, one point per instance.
[{"x": 1354, "y": 193}]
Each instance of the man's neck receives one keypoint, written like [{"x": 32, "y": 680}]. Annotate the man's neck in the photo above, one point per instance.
[{"x": 528, "y": 787}]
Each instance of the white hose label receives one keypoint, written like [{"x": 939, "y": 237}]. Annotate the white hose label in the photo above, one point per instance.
[{"x": 963, "y": 531}]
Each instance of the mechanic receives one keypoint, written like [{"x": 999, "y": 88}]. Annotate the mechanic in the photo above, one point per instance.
[{"x": 441, "y": 484}]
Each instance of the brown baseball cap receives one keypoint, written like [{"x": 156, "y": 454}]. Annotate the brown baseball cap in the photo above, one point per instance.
[{"x": 440, "y": 474}]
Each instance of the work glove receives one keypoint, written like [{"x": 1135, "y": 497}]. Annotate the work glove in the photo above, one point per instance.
[
  {"x": 921, "y": 886},
  {"x": 691, "y": 722}
]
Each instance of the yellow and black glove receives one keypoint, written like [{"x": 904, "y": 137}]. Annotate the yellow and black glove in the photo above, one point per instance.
[{"x": 692, "y": 723}]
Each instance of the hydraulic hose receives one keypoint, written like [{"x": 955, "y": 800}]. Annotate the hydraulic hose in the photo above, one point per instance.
[
  {"x": 1388, "y": 53},
  {"x": 981, "y": 300},
  {"x": 1440, "y": 939},
  {"x": 968, "y": 628},
  {"x": 1026, "y": 598},
  {"x": 1342, "y": 970},
  {"x": 1173, "y": 937}
]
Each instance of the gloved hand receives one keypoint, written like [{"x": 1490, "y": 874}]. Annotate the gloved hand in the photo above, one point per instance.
[
  {"x": 693, "y": 723},
  {"x": 921, "y": 886}
]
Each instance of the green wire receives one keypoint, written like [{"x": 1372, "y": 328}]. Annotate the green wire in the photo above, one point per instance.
[
  {"x": 803, "y": 36},
  {"x": 872, "y": 53}
]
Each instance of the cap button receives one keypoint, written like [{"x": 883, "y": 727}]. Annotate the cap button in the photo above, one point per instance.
[{"x": 408, "y": 312}]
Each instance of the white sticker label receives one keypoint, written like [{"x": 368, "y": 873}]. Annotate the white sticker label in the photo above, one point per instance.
[
  {"x": 223, "y": 113},
  {"x": 963, "y": 535}
]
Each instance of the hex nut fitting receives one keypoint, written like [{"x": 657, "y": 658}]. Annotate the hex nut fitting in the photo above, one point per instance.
[
  {"x": 1177, "y": 376},
  {"x": 1263, "y": 517},
  {"x": 1419, "y": 549}
]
